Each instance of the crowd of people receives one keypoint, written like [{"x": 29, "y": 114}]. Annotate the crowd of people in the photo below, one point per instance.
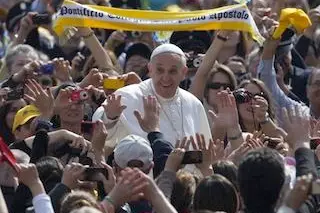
[{"x": 110, "y": 121}]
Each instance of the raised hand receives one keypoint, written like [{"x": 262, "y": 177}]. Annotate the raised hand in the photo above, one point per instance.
[
  {"x": 42, "y": 99},
  {"x": 94, "y": 78},
  {"x": 174, "y": 160},
  {"x": 110, "y": 182},
  {"x": 29, "y": 70},
  {"x": 113, "y": 108},
  {"x": 131, "y": 78},
  {"x": 297, "y": 126},
  {"x": 150, "y": 121},
  {"x": 3, "y": 95},
  {"x": 28, "y": 175},
  {"x": 63, "y": 98},
  {"x": 314, "y": 15},
  {"x": 207, "y": 153},
  {"x": 81, "y": 143},
  {"x": 98, "y": 140},
  {"x": 97, "y": 95},
  {"x": 315, "y": 128},
  {"x": 129, "y": 187},
  {"x": 115, "y": 39},
  {"x": 72, "y": 173},
  {"x": 227, "y": 115},
  {"x": 62, "y": 69},
  {"x": 300, "y": 192},
  {"x": 260, "y": 109}
]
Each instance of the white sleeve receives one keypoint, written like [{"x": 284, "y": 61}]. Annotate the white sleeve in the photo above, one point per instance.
[
  {"x": 42, "y": 203},
  {"x": 285, "y": 209},
  {"x": 116, "y": 133}
]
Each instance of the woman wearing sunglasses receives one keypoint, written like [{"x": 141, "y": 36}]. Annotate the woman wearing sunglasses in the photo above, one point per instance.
[
  {"x": 256, "y": 110},
  {"x": 212, "y": 78}
]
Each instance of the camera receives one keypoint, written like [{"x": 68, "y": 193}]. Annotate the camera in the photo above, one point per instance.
[
  {"x": 242, "y": 96},
  {"x": 194, "y": 61},
  {"x": 47, "y": 69},
  {"x": 15, "y": 94},
  {"x": 79, "y": 95}
]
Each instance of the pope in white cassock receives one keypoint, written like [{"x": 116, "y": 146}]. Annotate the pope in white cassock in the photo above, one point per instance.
[{"x": 181, "y": 113}]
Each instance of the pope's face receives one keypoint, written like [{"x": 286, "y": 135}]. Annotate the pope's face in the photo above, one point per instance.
[{"x": 167, "y": 70}]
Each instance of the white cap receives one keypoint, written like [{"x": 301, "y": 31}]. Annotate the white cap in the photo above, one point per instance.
[
  {"x": 133, "y": 147},
  {"x": 167, "y": 48}
]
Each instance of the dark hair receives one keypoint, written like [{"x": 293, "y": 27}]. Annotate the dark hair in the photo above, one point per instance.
[
  {"x": 76, "y": 200},
  {"x": 5, "y": 130},
  {"x": 183, "y": 191},
  {"x": 220, "y": 68},
  {"x": 261, "y": 177},
  {"x": 50, "y": 171},
  {"x": 228, "y": 170},
  {"x": 266, "y": 95},
  {"x": 216, "y": 193}
]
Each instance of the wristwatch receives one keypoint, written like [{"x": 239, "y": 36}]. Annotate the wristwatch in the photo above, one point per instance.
[{"x": 43, "y": 124}]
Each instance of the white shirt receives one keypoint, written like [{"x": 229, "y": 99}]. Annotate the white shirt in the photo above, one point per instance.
[{"x": 180, "y": 116}]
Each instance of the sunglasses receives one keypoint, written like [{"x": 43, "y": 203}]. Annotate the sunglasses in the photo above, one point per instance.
[
  {"x": 219, "y": 85},
  {"x": 243, "y": 96}
]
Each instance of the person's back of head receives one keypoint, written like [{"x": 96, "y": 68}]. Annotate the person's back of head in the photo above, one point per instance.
[
  {"x": 216, "y": 193},
  {"x": 133, "y": 151},
  {"x": 228, "y": 170},
  {"x": 50, "y": 171},
  {"x": 76, "y": 200},
  {"x": 261, "y": 177},
  {"x": 183, "y": 191}
]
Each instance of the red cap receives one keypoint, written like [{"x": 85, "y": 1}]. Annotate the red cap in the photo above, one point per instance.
[{"x": 6, "y": 155}]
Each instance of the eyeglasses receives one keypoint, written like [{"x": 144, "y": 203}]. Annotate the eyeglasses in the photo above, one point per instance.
[{"x": 217, "y": 85}]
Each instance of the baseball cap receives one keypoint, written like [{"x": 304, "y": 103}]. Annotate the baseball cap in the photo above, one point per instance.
[
  {"x": 24, "y": 115},
  {"x": 131, "y": 148},
  {"x": 166, "y": 48}
]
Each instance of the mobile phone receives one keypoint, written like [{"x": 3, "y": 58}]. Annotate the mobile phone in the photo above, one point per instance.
[
  {"x": 47, "y": 69},
  {"x": 15, "y": 94},
  {"x": 315, "y": 187},
  {"x": 113, "y": 83},
  {"x": 91, "y": 174},
  {"x": 41, "y": 19},
  {"x": 192, "y": 157},
  {"x": 87, "y": 127},
  {"x": 272, "y": 144},
  {"x": 314, "y": 142}
]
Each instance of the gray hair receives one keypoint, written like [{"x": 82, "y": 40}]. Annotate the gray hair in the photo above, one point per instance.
[
  {"x": 183, "y": 58},
  {"x": 20, "y": 49}
]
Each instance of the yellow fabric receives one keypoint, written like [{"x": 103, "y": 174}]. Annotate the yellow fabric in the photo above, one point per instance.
[
  {"x": 234, "y": 17},
  {"x": 24, "y": 115},
  {"x": 292, "y": 17}
]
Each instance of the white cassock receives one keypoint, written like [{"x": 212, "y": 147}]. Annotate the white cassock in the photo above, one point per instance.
[{"x": 180, "y": 116}]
